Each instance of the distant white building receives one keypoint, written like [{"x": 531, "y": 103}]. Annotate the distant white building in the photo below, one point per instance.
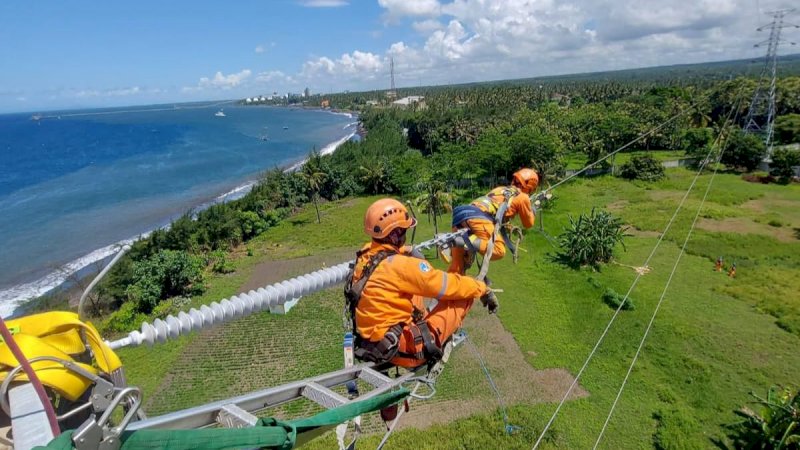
[
  {"x": 249, "y": 100},
  {"x": 405, "y": 102}
]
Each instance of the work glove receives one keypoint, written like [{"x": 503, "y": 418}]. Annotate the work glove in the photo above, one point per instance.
[{"x": 489, "y": 300}]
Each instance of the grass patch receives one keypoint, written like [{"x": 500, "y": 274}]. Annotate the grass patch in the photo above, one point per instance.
[{"x": 715, "y": 339}]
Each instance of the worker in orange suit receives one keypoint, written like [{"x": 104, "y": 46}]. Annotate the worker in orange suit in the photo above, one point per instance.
[
  {"x": 732, "y": 271},
  {"x": 385, "y": 292},
  {"x": 718, "y": 264},
  {"x": 480, "y": 215}
]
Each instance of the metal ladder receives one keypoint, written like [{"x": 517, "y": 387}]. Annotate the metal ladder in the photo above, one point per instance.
[{"x": 238, "y": 412}]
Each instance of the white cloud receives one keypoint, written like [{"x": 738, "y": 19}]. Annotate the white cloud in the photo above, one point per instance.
[
  {"x": 274, "y": 77},
  {"x": 116, "y": 92},
  {"x": 221, "y": 81},
  {"x": 400, "y": 8},
  {"x": 427, "y": 26},
  {"x": 364, "y": 65},
  {"x": 322, "y": 3}
]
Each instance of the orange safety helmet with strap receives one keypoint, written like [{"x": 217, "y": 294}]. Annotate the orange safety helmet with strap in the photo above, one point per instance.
[
  {"x": 385, "y": 215},
  {"x": 526, "y": 179}
]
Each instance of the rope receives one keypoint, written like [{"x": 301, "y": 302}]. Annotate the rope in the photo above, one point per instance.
[
  {"x": 507, "y": 426},
  {"x": 636, "y": 139},
  {"x": 627, "y": 294},
  {"x": 658, "y": 306}
]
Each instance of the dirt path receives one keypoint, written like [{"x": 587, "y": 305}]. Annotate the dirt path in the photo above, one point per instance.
[
  {"x": 517, "y": 380},
  {"x": 268, "y": 272}
]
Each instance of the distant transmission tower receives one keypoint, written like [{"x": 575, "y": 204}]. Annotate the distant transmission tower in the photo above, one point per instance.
[
  {"x": 761, "y": 115},
  {"x": 391, "y": 93}
]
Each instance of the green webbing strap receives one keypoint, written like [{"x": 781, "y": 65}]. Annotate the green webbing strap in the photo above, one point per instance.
[{"x": 268, "y": 433}]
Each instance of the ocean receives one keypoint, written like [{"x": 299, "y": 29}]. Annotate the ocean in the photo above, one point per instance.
[{"x": 74, "y": 185}]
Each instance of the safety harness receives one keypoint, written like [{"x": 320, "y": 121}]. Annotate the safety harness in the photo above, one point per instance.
[{"x": 388, "y": 347}]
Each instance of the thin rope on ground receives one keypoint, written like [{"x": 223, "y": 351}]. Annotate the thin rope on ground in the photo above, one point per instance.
[
  {"x": 627, "y": 294},
  {"x": 658, "y": 306},
  {"x": 507, "y": 426}
]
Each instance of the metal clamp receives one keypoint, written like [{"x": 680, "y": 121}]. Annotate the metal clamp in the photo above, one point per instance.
[{"x": 97, "y": 434}]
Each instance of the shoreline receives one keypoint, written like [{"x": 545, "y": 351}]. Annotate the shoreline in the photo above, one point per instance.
[{"x": 14, "y": 298}]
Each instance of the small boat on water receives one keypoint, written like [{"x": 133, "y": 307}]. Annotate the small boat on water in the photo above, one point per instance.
[
  {"x": 285, "y": 127},
  {"x": 220, "y": 113}
]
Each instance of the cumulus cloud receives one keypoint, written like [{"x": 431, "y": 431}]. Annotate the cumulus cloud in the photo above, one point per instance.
[
  {"x": 364, "y": 65},
  {"x": 470, "y": 40},
  {"x": 322, "y": 3},
  {"x": 401, "y": 8},
  {"x": 221, "y": 81},
  {"x": 274, "y": 77},
  {"x": 116, "y": 92}
]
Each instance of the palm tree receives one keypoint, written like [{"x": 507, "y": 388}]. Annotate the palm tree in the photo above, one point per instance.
[
  {"x": 374, "y": 175},
  {"x": 434, "y": 200},
  {"x": 315, "y": 177}
]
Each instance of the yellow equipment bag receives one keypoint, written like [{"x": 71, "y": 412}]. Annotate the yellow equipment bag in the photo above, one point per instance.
[{"x": 60, "y": 335}]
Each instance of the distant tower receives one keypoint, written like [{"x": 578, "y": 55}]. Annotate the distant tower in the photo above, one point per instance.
[
  {"x": 391, "y": 94},
  {"x": 761, "y": 115},
  {"x": 307, "y": 93}
]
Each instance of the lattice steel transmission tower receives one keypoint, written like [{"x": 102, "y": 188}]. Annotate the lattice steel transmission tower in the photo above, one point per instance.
[
  {"x": 761, "y": 115},
  {"x": 391, "y": 94}
]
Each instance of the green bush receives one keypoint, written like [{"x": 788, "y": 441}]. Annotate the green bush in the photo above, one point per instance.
[
  {"x": 219, "y": 262},
  {"x": 169, "y": 306},
  {"x": 125, "y": 319},
  {"x": 590, "y": 240},
  {"x": 613, "y": 299},
  {"x": 643, "y": 167},
  {"x": 168, "y": 273},
  {"x": 783, "y": 163},
  {"x": 743, "y": 151}
]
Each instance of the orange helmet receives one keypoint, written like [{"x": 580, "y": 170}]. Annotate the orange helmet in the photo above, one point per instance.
[
  {"x": 385, "y": 215},
  {"x": 526, "y": 179}
]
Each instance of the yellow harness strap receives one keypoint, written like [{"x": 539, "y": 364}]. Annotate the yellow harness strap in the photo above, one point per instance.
[{"x": 61, "y": 335}]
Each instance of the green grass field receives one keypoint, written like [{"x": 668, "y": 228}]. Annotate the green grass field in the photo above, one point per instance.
[{"x": 715, "y": 339}]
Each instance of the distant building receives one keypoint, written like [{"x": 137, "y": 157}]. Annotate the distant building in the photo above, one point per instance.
[
  {"x": 249, "y": 100},
  {"x": 373, "y": 103},
  {"x": 405, "y": 102},
  {"x": 325, "y": 103},
  {"x": 307, "y": 93}
]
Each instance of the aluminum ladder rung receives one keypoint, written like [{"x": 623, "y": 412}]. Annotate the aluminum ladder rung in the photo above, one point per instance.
[
  {"x": 231, "y": 416},
  {"x": 374, "y": 377},
  {"x": 322, "y": 396}
]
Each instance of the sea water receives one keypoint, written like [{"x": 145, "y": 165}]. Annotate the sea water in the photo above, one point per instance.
[{"x": 74, "y": 185}]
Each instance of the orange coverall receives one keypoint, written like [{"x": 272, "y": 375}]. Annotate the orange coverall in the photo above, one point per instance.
[
  {"x": 483, "y": 229},
  {"x": 397, "y": 286}
]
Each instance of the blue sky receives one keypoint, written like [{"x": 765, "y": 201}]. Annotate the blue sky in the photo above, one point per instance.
[{"x": 59, "y": 54}]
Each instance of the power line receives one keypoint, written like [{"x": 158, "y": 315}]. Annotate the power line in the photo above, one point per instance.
[
  {"x": 717, "y": 143},
  {"x": 658, "y": 305},
  {"x": 636, "y": 139},
  {"x": 627, "y": 294}
]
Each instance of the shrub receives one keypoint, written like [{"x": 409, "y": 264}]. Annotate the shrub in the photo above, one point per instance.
[
  {"x": 125, "y": 319},
  {"x": 782, "y": 165},
  {"x": 590, "y": 239},
  {"x": 743, "y": 151},
  {"x": 219, "y": 262},
  {"x": 169, "y": 306},
  {"x": 643, "y": 167},
  {"x": 776, "y": 423},
  {"x": 166, "y": 274},
  {"x": 614, "y": 299}
]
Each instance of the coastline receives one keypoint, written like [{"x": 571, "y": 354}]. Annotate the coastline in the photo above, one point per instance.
[{"x": 15, "y": 298}]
